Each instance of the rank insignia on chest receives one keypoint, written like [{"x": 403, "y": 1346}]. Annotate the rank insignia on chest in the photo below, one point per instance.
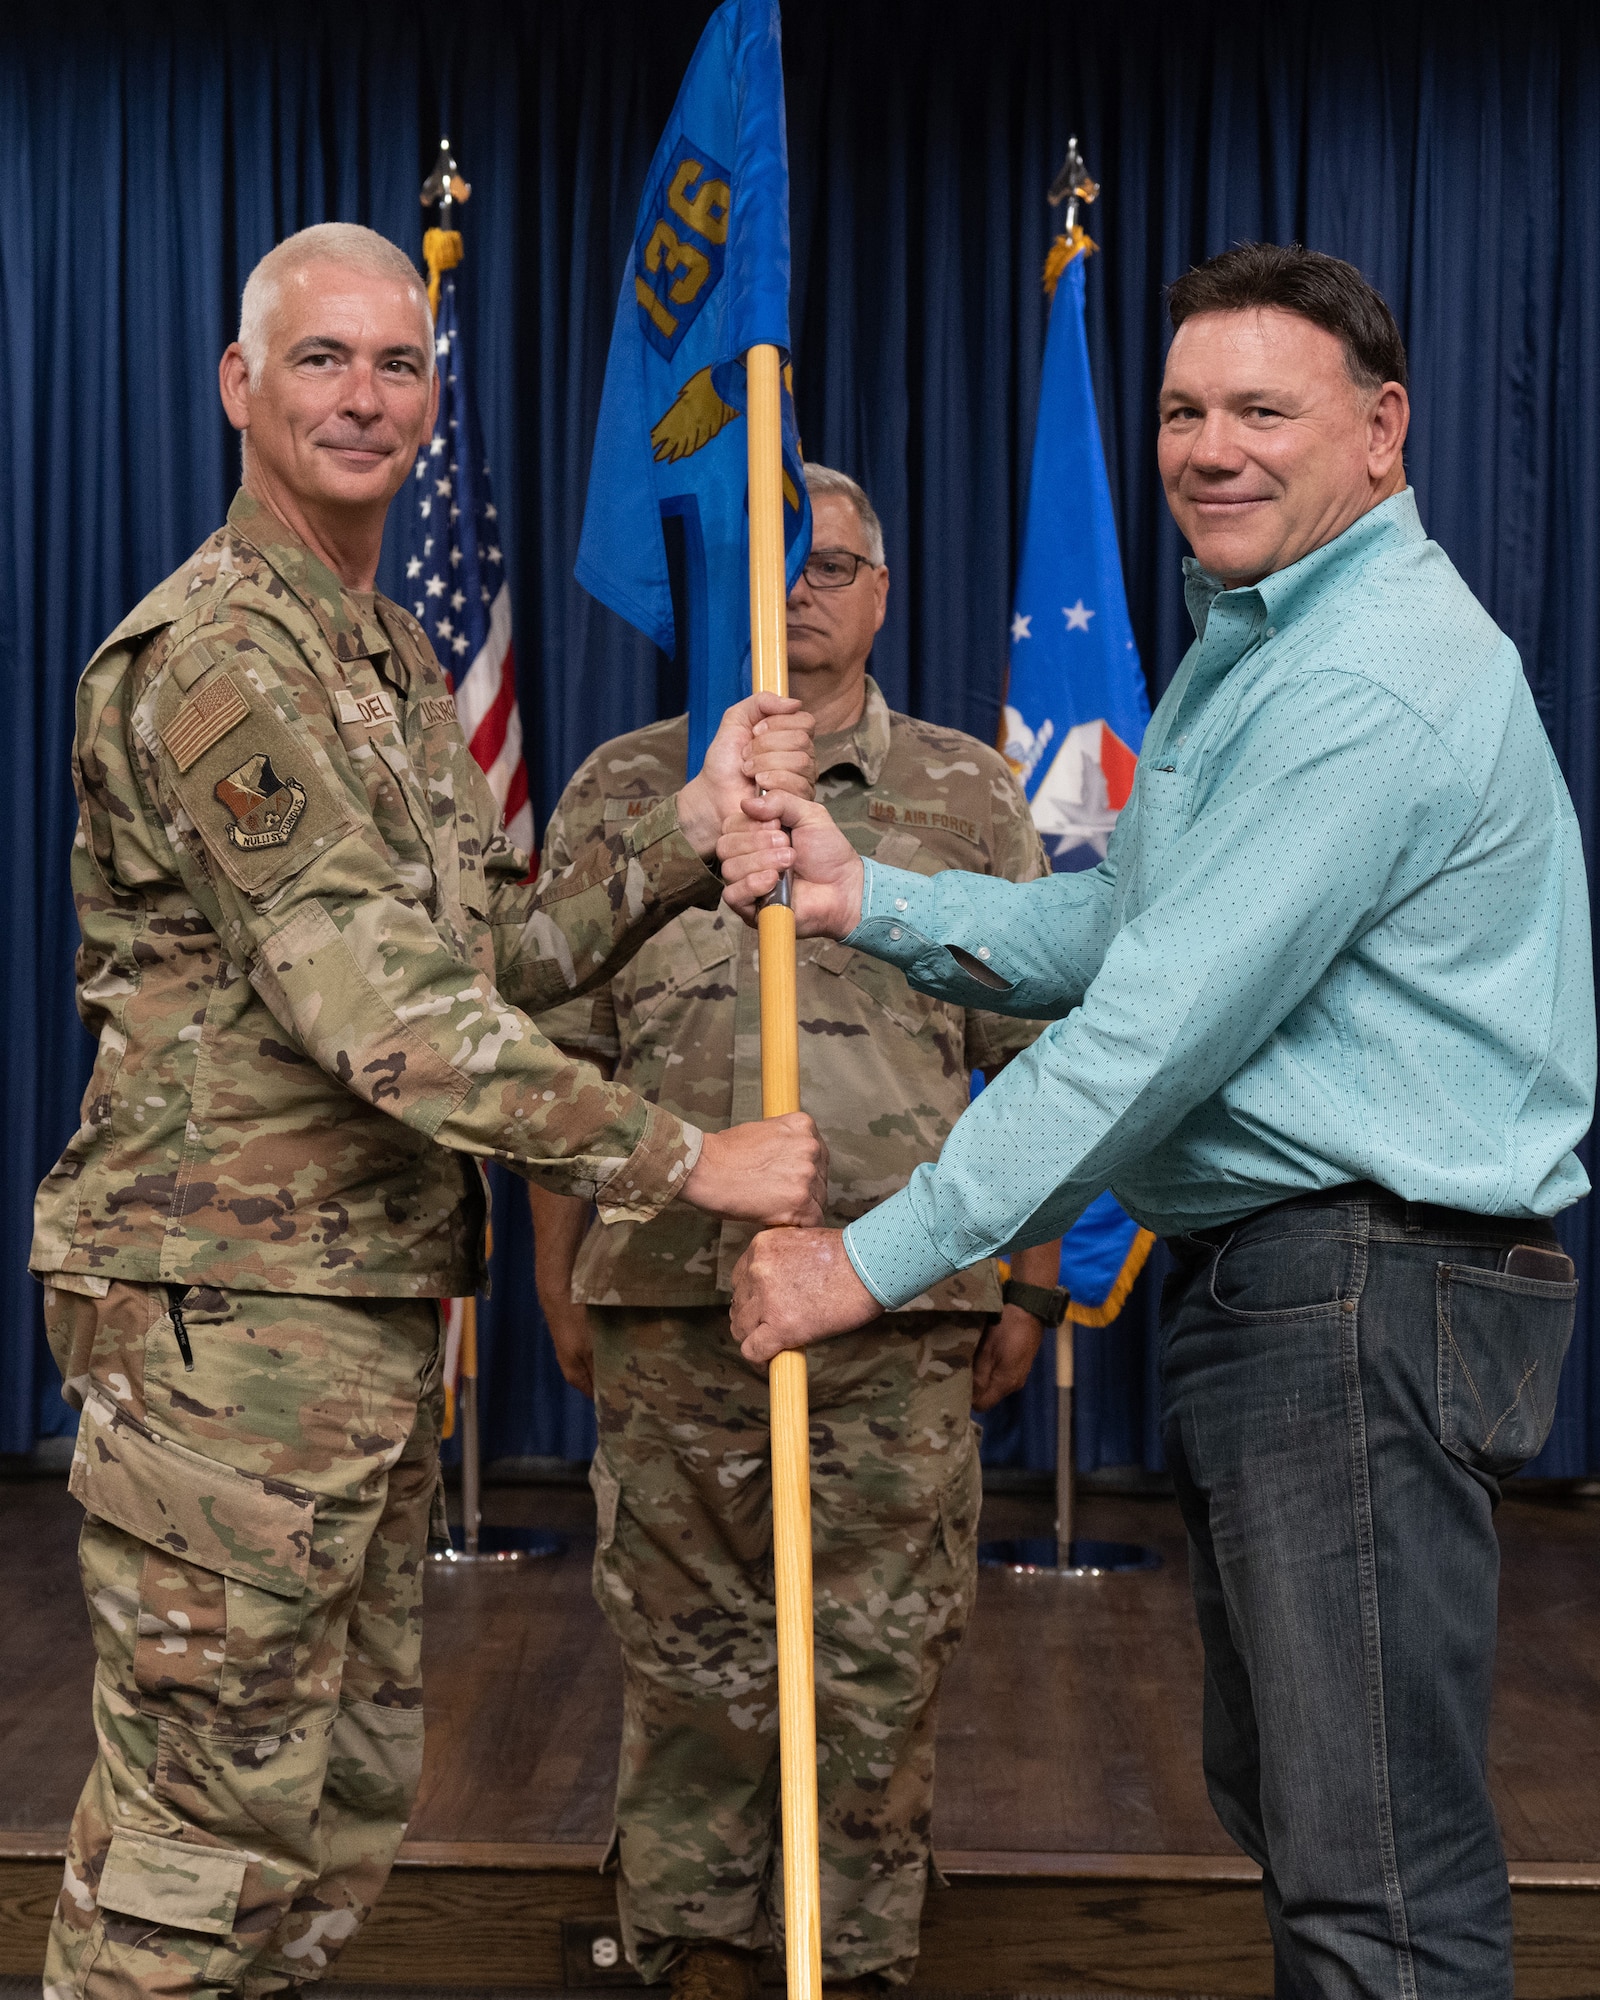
[{"x": 266, "y": 808}]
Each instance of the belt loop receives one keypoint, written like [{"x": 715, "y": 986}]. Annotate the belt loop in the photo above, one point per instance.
[{"x": 1413, "y": 1219}]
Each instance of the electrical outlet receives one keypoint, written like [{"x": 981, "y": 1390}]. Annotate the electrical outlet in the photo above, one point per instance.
[{"x": 591, "y": 1953}]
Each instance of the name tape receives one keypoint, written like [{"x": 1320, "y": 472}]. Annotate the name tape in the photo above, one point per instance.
[{"x": 366, "y": 711}]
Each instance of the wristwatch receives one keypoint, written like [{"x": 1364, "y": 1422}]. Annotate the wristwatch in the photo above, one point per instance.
[{"x": 1046, "y": 1302}]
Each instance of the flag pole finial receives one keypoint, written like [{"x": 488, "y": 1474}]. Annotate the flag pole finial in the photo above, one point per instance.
[
  {"x": 441, "y": 246},
  {"x": 1074, "y": 186}
]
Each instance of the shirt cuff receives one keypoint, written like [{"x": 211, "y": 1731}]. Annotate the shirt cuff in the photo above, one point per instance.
[
  {"x": 888, "y": 928},
  {"x": 655, "y": 1171},
  {"x": 893, "y": 1255},
  {"x": 904, "y": 918},
  {"x": 886, "y": 894}
]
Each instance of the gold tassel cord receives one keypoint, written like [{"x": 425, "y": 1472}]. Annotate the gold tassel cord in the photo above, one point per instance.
[
  {"x": 1075, "y": 242},
  {"x": 441, "y": 251}
]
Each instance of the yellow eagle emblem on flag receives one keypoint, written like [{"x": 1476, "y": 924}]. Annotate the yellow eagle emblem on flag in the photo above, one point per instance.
[{"x": 697, "y": 415}]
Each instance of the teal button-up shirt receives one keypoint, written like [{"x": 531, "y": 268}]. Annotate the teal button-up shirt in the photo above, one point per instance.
[{"x": 1341, "y": 933}]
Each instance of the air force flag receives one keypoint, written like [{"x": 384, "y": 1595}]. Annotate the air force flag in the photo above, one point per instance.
[
  {"x": 1076, "y": 706},
  {"x": 707, "y": 279}
]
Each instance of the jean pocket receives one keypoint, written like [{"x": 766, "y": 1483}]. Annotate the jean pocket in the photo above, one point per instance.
[
  {"x": 1285, "y": 1273},
  {"x": 1502, "y": 1340}
]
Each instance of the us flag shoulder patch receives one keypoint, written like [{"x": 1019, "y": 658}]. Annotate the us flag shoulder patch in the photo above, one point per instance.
[{"x": 205, "y": 718}]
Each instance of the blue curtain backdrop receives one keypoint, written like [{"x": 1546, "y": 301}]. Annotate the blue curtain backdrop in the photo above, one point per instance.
[{"x": 152, "y": 153}]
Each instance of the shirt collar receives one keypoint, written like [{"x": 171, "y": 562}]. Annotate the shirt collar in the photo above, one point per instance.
[
  {"x": 866, "y": 746},
  {"x": 1289, "y": 593},
  {"x": 351, "y": 629}
]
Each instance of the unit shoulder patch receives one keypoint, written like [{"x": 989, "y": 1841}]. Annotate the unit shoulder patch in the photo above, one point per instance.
[
  {"x": 266, "y": 808},
  {"x": 205, "y": 718}
]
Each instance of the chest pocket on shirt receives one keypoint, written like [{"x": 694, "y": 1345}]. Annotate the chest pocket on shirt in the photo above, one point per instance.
[
  {"x": 395, "y": 777},
  {"x": 689, "y": 963},
  {"x": 477, "y": 929},
  {"x": 1158, "y": 816},
  {"x": 883, "y": 985}
]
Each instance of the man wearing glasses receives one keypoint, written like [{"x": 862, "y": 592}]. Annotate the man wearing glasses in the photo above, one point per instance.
[{"x": 639, "y": 1313}]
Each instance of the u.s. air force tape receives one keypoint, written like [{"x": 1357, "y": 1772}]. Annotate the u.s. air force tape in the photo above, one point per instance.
[{"x": 203, "y": 719}]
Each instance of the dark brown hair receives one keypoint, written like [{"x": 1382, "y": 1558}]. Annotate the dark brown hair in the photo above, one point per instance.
[{"x": 1325, "y": 290}]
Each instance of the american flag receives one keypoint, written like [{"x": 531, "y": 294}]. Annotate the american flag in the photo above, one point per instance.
[{"x": 455, "y": 577}]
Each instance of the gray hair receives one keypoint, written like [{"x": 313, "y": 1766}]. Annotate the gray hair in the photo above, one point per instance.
[
  {"x": 822, "y": 479},
  {"x": 348, "y": 244}
]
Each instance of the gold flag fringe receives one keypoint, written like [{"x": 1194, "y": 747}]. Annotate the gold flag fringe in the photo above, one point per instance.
[
  {"x": 442, "y": 251},
  {"x": 1075, "y": 242},
  {"x": 1104, "y": 1313}
]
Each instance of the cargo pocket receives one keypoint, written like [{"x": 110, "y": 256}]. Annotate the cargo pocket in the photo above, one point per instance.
[
  {"x": 960, "y": 1500},
  {"x": 1502, "y": 1340},
  {"x": 952, "y": 1578},
  {"x": 439, "y": 1536},
  {"x": 607, "y": 1490},
  {"x": 172, "y": 1883},
  {"x": 613, "y": 1577},
  {"x": 180, "y": 1887},
  {"x": 375, "y": 1762},
  {"x": 222, "y": 1593},
  {"x": 884, "y": 985}
]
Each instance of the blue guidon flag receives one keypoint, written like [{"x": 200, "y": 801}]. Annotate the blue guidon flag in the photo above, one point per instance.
[
  {"x": 665, "y": 540},
  {"x": 1076, "y": 706},
  {"x": 455, "y": 579}
]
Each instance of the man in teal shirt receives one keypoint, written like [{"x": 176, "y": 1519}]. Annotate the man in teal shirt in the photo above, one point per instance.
[{"x": 1324, "y": 1018}]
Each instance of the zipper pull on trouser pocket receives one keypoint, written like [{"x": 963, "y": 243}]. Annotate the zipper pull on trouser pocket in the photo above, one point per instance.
[{"x": 176, "y": 1294}]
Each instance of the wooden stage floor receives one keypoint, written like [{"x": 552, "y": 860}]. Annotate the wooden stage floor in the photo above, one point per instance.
[{"x": 1072, "y": 1818}]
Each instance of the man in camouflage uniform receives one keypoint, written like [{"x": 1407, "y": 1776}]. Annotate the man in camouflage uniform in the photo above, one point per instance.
[
  {"x": 308, "y": 953},
  {"x": 683, "y": 1568}
]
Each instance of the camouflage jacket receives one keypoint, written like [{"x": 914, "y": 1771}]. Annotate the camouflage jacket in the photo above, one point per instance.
[
  {"x": 883, "y": 1070},
  {"x": 309, "y": 955}
]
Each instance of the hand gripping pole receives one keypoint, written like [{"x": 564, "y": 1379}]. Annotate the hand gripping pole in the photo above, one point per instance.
[{"x": 780, "y": 1092}]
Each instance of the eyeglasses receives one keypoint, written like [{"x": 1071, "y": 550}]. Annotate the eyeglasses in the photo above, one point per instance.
[{"x": 834, "y": 569}]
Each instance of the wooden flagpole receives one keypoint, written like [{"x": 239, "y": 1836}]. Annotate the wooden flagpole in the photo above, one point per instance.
[{"x": 780, "y": 1092}]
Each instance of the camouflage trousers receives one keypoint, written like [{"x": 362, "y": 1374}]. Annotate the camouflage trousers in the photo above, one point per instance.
[
  {"x": 252, "y": 1557},
  {"x": 683, "y": 1572}
]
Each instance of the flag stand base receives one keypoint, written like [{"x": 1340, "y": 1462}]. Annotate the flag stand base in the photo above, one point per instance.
[
  {"x": 1064, "y": 1553},
  {"x": 1043, "y": 1555},
  {"x": 498, "y": 1545},
  {"x": 470, "y": 1541}
]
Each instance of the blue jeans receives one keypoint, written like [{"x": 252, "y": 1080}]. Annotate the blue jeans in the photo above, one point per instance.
[{"x": 1344, "y": 1384}]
